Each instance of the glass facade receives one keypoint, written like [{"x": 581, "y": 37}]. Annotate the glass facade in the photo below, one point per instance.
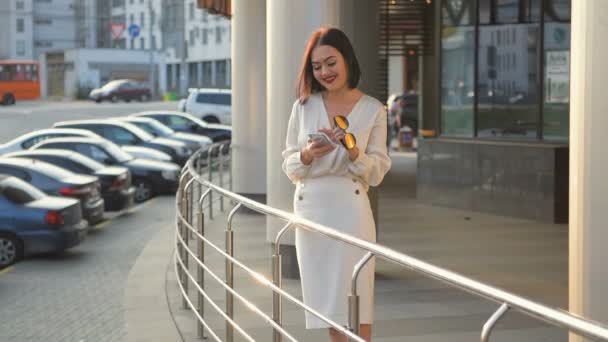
[{"x": 505, "y": 69}]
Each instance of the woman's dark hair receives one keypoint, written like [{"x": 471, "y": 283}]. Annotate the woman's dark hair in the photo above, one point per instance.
[{"x": 307, "y": 84}]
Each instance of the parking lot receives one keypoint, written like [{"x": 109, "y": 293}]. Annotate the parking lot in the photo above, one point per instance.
[{"x": 77, "y": 295}]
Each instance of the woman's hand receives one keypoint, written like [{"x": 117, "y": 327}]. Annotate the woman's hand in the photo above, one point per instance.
[
  {"x": 314, "y": 150},
  {"x": 336, "y": 134}
]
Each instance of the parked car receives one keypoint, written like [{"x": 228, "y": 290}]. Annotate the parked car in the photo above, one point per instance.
[
  {"x": 157, "y": 129},
  {"x": 150, "y": 177},
  {"x": 32, "y": 222},
  {"x": 184, "y": 122},
  {"x": 211, "y": 105},
  {"x": 126, "y": 90},
  {"x": 56, "y": 181},
  {"x": 125, "y": 134},
  {"x": 28, "y": 140},
  {"x": 116, "y": 189}
]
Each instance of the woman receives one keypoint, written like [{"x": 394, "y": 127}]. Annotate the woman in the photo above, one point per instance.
[{"x": 332, "y": 179}]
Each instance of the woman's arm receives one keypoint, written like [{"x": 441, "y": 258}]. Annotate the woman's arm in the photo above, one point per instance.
[
  {"x": 374, "y": 163},
  {"x": 293, "y": 161}
]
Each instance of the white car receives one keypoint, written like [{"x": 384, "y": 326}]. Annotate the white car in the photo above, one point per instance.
[
  {"x": 28, "y": 140},
  {"x": 210, "y": 105}
]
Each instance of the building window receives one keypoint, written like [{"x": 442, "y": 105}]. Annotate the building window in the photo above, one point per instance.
[
  {"x": 519, "y": 86},
  {"x": 457, "y": 68},
  {"x": 20, "y": 25},
  {"x": 142, "y": 19},
  {"x": 19, "y": 6},
  {"x": 191, "y": 37},
  {"x": 220, "y": 73},
  {"x": 556, "y": 70},
  {"x": 132, "y": 44},
  {"x": 152, "y": 18},
  {"x": 131, "y": 19},
  {"x": 191, "y": 10},
  {"x": 118, "y": 3},
  {"x": 218, "y": 34},
  {"x": 205, "y": 16},
  {"x": 131, "y": 2},
  {"x": 204, "y": 36},
  {"x": 153, "y": 42},
  {"x": 20, "y": 48},
  {"x": 207, "y": 74},
  {"x": 506, "y": 112},
  {"x": 142, "y": 43}
]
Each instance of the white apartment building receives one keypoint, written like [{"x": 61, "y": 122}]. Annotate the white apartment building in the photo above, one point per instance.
[
  {"x": 16, "y": 30},
  {"x": 196, "y": 44}
]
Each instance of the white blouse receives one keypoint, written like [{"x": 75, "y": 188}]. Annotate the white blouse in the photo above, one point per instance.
[{"x": 367, "y": 121}]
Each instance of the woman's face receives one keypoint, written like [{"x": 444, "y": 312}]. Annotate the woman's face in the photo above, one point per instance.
[{"x": 329, "y": 68}]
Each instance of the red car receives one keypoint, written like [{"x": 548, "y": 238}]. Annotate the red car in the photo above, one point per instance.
[{"x": 126, "y": 90}]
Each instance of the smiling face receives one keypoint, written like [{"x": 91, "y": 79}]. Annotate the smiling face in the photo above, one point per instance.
[{"x": 329, "y": 67}]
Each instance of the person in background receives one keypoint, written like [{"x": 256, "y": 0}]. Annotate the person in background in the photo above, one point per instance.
[{"x": 394, "y": 119}]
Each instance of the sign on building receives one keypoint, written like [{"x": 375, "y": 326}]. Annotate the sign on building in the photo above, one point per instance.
[{"x": 117, "y": 30}]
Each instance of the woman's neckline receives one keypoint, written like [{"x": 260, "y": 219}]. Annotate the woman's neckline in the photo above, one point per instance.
[{"x": 348, "y": 115}]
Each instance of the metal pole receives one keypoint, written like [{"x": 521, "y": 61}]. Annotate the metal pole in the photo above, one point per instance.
[
  {"x": 210, "y": 175},
  {"x": 179, "y": 229},
  {"x": 184, "y": 235},
  {"x": 489, "y": 326},
  {"x": 200, "y": 272},
  {"x": 221, "y": 173},
  {"x": 353, "y": 297},
  {"x": 230, "y": 273},
  {"x": 230, "y": 169},
  {"x": 277, "y": 279}
]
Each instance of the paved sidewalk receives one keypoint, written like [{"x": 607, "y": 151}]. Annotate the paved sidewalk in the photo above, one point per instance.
[{"x": 521, "y": 256}]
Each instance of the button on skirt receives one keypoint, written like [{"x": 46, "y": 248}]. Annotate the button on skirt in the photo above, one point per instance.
[{"x": 326, "y": 265}]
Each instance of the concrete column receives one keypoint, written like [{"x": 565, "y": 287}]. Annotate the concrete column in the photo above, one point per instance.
[
  {"x": 290, "y": 24},
  {"x": 249, "y": 98},
  {"x": 588, "y": 161}
]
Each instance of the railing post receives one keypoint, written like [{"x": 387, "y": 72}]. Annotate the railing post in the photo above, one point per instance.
[
  {"x": 200, "y": 272},
  {"x": 230, "y": 273},
  {"x": 277, "y": 279},
  {"x": 489, "y": 325},
  {"x": 184, "y": 235},
  {"x": 230, "y": 169},
  {"x": 210, "y": 175},
  {"x": 353, "y": 297},
  {"x": 220, "y": 155},
  {"x": 179, "y": 229}
]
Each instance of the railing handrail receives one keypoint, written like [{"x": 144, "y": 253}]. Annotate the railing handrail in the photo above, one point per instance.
[{"x": 558, "y": 317}]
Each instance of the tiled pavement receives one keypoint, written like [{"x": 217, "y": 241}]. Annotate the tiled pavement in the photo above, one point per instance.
[{"x": 524, "y": 257}]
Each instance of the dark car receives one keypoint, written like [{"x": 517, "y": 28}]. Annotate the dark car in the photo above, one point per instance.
[
  {"x": 56, "y": 181},
  {"x": 125, "y": 134},
  {"x": 157, "y": 129},
  {"x": 150, "y": 177},
  {"x": 183, "y": 122},
  {"x": 32, "y": 222},
  {"x": 126, "y": 90},
  {"x": 116, "y": 189}
]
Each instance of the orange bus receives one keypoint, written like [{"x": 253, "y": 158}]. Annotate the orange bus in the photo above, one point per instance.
[{"x": 19, "y": 80}]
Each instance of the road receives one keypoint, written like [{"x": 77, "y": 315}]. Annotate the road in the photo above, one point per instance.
[{"x": 76, "y": 295}]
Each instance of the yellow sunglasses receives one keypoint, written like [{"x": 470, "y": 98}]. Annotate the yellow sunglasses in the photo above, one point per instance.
[{"x": 349, "y": 140}]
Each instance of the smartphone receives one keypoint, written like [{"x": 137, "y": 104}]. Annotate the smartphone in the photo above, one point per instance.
[{"x": 319, "y": 137}]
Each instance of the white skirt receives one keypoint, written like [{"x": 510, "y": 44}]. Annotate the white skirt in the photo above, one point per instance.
[{"x": 326, "y": 265}]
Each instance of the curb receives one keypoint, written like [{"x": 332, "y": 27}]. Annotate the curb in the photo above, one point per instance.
[{"x": 147, "y": 315}]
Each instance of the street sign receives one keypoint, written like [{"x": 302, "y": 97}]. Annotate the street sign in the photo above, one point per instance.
[
  {"x": 133, "y": 30},
  {"x": 117, "y": 30}
]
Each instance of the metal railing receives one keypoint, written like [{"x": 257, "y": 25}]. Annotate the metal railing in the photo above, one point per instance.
[{"x": 218, "y": 156}]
